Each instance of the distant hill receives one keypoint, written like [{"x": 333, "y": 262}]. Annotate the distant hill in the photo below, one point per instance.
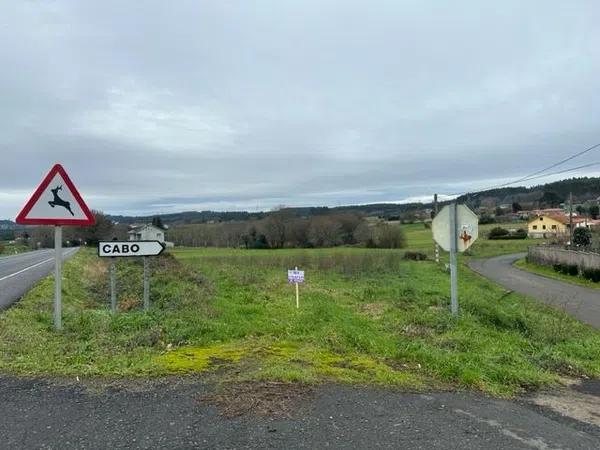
[
  {"x": 387, "y": 210},
  {"x": 584, "y": 189},
  {"x": 190, "y": 217},
  {"x": 7, "y": 230},
  {"x": 7, "y": 225}
]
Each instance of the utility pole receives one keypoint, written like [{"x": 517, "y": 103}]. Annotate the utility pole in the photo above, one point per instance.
[
  {"x": 570, "y": 220},
  {"x": 435, "y": 210}
]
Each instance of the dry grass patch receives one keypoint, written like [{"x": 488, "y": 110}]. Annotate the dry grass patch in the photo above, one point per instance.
[
  {"x": 373, "y": 310},
  {"x": 267, "y": 399}
]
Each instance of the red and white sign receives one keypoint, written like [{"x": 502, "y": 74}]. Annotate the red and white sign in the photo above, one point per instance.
[{"x": 56, "y": 202}]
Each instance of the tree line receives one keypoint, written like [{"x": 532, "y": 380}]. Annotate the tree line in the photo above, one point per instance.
[
  {"x": 284, "y": 229},
  {"x": 43, "y": 237},
  {"x": 279, "y": 229}
]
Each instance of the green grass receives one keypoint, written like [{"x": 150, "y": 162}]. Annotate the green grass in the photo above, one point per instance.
[
  {"x": 420, "y": 239},
  {"x": 551, "y": 273},
  {"x": 366, "y": 316},
  {"x": 7, "y": 248}
]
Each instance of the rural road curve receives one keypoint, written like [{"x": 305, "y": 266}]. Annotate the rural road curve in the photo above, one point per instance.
[
  {"x": 172, "y": 415},
  {"x": 581, "y": 302},
  {"x": 18, "y": 273}
]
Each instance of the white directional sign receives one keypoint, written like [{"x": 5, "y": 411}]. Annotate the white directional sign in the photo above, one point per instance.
[
  {"x": 129, "y": 248},
  {"x": 467, "y": 224}
]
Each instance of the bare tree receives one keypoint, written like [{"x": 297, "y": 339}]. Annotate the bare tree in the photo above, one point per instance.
[
  {"x": 42, "y": 237},
  {"x": 324, "y": 231},
  {"x": 275, "y": 227},
  {"x": 297, "y": 232},
  {"x": 349, "y": 222}
]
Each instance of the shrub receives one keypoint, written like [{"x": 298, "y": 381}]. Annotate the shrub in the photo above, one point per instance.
[
  {"x": 591, "y": 274},
  {"x": 567, "y": 269},
  {"x": 573, "y": 270},
  {"x": 260, "y": 243},
  {"x": 521, "y": 233},
  {"x": 582, "y": 237},
  {"x": 497, "y": 233},
  {"x": 388, "y": 236},
  {"x": 415, "y": 256},
  {"x": 484, "y": 220},
  {"x": 502, "y": 233}
]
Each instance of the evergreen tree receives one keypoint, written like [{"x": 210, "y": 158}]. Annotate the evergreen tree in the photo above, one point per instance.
[
  {"x": 157, "y": 222},
  {"x": 582, "y": 237}
]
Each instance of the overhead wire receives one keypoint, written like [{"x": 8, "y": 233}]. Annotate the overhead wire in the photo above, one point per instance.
[{"x": 539, "y": 173}]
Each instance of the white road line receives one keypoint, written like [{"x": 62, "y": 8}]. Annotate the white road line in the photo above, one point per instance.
[
  {"x": 30, "y": 267},
  {"x": 536, "y": 442}
]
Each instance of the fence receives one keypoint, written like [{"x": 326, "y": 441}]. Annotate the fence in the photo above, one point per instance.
[{"x": 549, "y": 256}]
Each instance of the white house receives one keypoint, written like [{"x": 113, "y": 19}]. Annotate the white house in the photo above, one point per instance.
[{"x": 146, "y": 233}]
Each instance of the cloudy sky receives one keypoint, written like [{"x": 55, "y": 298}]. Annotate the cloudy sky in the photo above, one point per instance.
[{"x": 168, "y": 106}]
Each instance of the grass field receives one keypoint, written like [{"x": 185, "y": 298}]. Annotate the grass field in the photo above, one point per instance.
[
  {"x": 365, "y": 316},
  {"x": 420, "y": 239}
]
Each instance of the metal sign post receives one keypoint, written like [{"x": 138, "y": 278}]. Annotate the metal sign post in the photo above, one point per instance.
[
  {"x": 435, "y": 210},
  {"x": 113, "y": 286},
  {"x": 146, "y": 284},
  {"x": 453, "y": 262},
  {"x": 112, "y": 249},
  {"x": 455, "y": 229},
  {"x": 58, "y": 277}
]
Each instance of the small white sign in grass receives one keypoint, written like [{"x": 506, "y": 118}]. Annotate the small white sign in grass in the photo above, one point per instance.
[{"x": 296, "y": 276}]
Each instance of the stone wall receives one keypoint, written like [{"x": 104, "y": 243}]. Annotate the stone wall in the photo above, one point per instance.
[{"x": 548, "y": 256}]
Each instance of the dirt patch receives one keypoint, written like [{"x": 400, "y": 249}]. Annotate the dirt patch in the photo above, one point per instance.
[
  {"x": 269, "y": 399},
  {"x": 579, "y": 400},
  {"x": 413, "y": 330},
  {"x": 373, "y": 310}
]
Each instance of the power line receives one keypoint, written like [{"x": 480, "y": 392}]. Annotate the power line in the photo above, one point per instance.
[
  {"x": 597, "y": 163},
  {"x": 537, "y": 174},
  {"x": 552, "y": 166},
  {"x": 565, "y": 170}
]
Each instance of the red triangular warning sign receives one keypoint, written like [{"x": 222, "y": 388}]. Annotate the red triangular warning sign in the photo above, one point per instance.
[{"x": 56, "y": 202}]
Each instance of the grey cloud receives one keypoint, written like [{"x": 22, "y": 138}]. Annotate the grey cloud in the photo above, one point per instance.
[{"x": 156, "y": 106}]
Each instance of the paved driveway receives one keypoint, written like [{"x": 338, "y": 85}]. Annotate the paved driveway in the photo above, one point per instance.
[{"x": 581, "y": 302}]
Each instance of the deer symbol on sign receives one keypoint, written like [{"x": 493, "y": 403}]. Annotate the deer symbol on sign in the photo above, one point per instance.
[{"x": 57, "y": 201}]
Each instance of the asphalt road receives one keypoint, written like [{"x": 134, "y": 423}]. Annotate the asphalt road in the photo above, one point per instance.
[
  {"x": 172, "y": 415},
  {"x": 581, "y": 302},
  {"x": 18, "y": 273}
]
